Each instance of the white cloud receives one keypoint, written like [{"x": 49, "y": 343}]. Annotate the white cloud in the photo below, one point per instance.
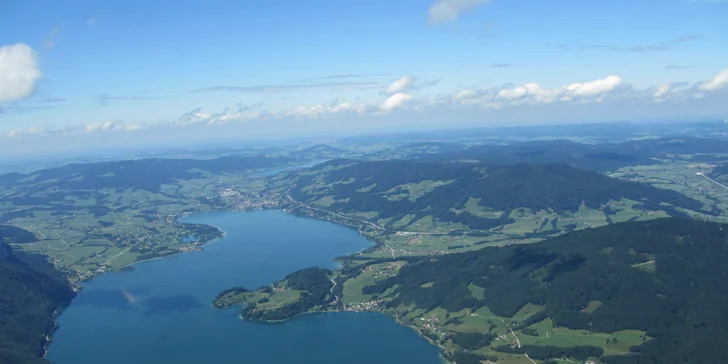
[
  {"x": 718, "y": 81},
  {"x": 396, "y": 101},
  {"x": 106, "y": 125},
  {"x": 662, "y": 91},
  {"x": 465, "y": 94},
  {"x": 18, "y": 72},
  {"x": 400, "y": 85},
  {"x": 612, "y": 90},
  {"x": 534, "y": 93},
  {"x": 444, "y": 11},
  {"x": 193, "y": 116},
  {"x": 673, "y": 91},
  {"x": 594, "y": 88},
  {"x": 318, "y": 110},
  {"x": 102, "y": 126}
]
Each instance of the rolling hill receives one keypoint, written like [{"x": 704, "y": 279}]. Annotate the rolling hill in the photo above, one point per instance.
[
  {"x": 143, "y": 174},
  {"x": 666, "y": 278},
  {"x": 596, "y": 157},
  {"x": 474, "y": 196}
]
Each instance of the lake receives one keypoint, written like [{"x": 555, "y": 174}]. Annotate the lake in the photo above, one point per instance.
[{"x": 161, "y": 311}]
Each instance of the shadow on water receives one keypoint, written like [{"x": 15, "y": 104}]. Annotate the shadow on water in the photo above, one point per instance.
[
  {"x": 120, "y": 299},
  {"x": 163, "y": 305}
]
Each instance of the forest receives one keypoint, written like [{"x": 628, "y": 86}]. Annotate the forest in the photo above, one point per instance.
[
  {"x": 316, "y": 286},
  {"x": 143, "y": 174},
  {"x": 556, "y": 187},
  {"x": 32, "y": 290},
  {"x": 594, "y": 157},
  {"x": 674, "y": 268}
]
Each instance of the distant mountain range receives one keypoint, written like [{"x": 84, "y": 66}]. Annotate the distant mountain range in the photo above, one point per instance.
[
  {"x": 595, "y": 157},
  {"x": 144, "y": 174}
]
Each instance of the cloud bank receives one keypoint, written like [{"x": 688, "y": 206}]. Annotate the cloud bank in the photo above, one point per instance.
[{"x": 398, "y": 107}]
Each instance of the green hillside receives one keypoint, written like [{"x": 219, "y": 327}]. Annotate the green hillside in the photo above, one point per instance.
[
  {"x": 665, "y": 278},
  {"x": 517, "y": 200},
  {"x": 628, "y": 293},
  {"x": 31, "y": 291}
]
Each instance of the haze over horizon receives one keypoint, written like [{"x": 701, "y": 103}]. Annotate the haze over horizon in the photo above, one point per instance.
[{"x": 97, "y": 74}]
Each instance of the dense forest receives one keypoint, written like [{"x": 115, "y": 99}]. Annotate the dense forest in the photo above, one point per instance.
[
  {"x": 594, "y": 157},
  {"x": 666, "y": 277},
  {"x": 720, "y": 173},
  {"x": 363, "y": 186},
  {"x": 316, "y": 286},
  {"x": 143, "y": 174},
  {"x": 15, "y": 235},
  {"x": 31, "y": 290}
]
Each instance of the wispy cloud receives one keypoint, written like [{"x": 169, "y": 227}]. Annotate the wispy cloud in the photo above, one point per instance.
[
  {"x": 672, "y": 44},
  {"x": 106, "y": 99},
  {"x": 611, "y": 89},
  {"x": 22, "y": 109},
  {"x": 445, "y": 11},
  {"x": 237, "y": 113},
  {"x": 50, "y": 40},
  {"x": 401, "y": 84},
  {"x": 93, "y": 20},
  {"x": 52, "y": 100},
  {"x": 331, "y": 86},
  {"x": 501, "y": 65}
]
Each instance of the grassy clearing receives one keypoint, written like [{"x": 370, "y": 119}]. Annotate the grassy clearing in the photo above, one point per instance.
[
  {"x": 353, "y": 288},
  {"x": 476, "y": 291},
  {"x": 592, "y": 306}
]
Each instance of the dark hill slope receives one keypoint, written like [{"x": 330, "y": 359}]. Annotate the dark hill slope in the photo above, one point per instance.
[
  {"x": 31, "y": 290},
  {"x": 366, "y": 186},
  {"x": 668, "y": 277},
  {"x": 595, "y": 157},
  {"x": 144, "y": 174},
  {"x": 720, "y": 173}
]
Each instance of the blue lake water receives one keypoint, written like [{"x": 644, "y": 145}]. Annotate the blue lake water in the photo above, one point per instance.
[{"x": 160, "y": 312}]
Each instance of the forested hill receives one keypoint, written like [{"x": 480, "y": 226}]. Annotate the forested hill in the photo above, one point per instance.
[
  {"x": 478, "y": 196},
  {"x": 595, "y": 157},
  {"x": 144, "y": 174},
  {"x": 720, "y": 173},
  {"x": 668, "y": 277},
  {"x": 31, "y": 290}
]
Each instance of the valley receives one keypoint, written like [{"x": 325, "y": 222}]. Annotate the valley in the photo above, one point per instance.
[{"x": 429, "y": 211}]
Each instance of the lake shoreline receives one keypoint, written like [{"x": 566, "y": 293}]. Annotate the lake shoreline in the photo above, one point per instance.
[
  {"x": 336, "y": 259},
  {"x": 379, "y": 312}
]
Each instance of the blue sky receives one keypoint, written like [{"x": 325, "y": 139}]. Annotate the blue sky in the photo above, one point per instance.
[{"x": 98, "y": 73}]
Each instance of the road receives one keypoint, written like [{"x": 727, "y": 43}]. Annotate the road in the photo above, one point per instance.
[
  {"x": 334, "y": 213},
  {"x": 645, "y": 263},
  {"x": 336, "y": 298},
  {"x": 108, "y": 262},
  {"x": 505, "y": 323},
  {"x": 714, "y": 181}
]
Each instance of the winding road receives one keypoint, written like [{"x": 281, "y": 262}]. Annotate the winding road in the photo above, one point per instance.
[
  {"x": 375, "y": 226},
  {"x": 336, "y": 298}
]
